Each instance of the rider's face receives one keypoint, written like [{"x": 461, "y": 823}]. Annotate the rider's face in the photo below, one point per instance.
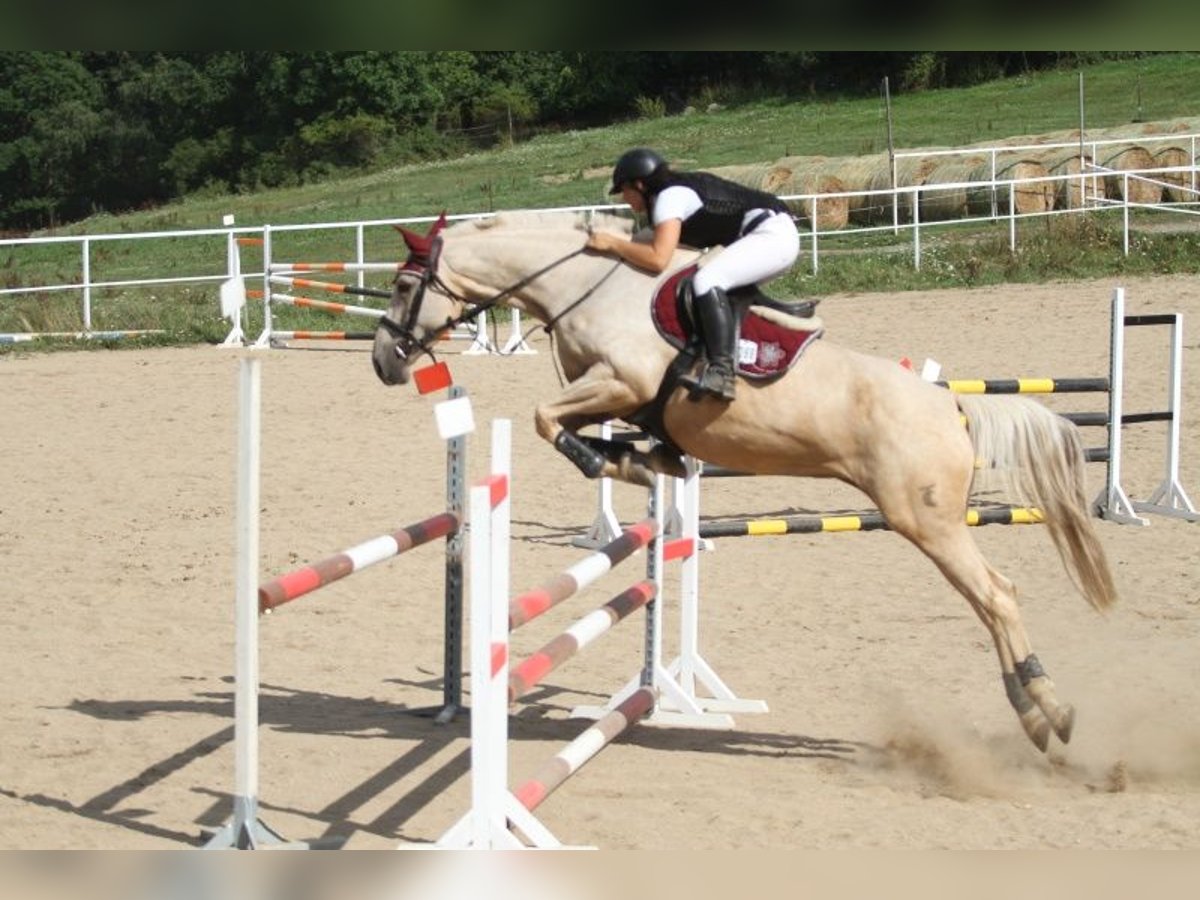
[{"x": 633, "y": 196}]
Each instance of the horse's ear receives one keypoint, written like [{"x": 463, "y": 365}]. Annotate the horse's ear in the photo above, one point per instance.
[
  {"x": 412, "y": 240},
  {"x": 438, "y": 225}
]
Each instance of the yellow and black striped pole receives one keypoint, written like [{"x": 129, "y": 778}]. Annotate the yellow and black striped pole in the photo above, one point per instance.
[{"x": 871, "y": 521}]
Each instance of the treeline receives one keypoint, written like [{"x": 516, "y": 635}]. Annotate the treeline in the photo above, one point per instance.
[{"x": 89, "y": 131}]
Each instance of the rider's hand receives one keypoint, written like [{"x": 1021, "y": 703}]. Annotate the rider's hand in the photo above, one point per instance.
[{"x": 602, "y": 242}]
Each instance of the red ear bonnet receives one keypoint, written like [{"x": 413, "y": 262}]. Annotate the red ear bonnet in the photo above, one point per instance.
[{"x": 422, "y": 248}]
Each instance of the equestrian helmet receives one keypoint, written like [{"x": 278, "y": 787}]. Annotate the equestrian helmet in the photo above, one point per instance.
[{"x": 635, "y": 164}]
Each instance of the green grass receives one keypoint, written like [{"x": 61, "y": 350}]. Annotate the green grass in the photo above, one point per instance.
[{"x": 571, "y": 168}]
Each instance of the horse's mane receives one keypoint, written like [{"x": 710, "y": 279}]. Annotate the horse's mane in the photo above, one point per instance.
[{"x": 548, "y": 220}]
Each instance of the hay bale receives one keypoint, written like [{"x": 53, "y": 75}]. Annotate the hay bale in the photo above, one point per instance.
[
  {"x": 940, "y": 204},
  {"x": 809, "y": 176},
  {"x": 1127, "y": 157},
  {"x": 1131, "y": 130},
  {"x": 1178, "y": 185},
  {"x": 910, "y": 171},
  {"x": 1028, "y": 196},
  {"x": 854, "y": 173},
  {"x": 1031, "y": 196},
  {"x": 760, "y": 176},
  {"x": 1069, "y": 192}
]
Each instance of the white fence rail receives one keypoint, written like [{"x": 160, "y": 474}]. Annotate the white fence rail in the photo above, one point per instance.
[{"x": 902, "y": 197}]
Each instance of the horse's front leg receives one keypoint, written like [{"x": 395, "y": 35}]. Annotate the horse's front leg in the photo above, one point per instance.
[{"x": 596, "y": 397}]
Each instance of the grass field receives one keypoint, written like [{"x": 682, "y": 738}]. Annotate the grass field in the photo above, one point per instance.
[{"x": 572, "y": 167}]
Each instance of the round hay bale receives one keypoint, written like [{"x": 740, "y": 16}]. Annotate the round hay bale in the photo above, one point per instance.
[
  {"x": 855, "y": 173},
  {"x": 1180, "y": 125},
  {"x": 910, "y": 171},
  {"x": 1031, "y": 193},
  {"x": 940, "y": 204},
  {"x": 1133, "y": 129},
  {"x": 760, "y": 176},
  {"x": 1128, "y": 157},
  {"x": 1028, "y": 195},
  {"x": 1178, "y": 185},
  {"x": 1069, "y": 192},
  {"x": 832, "y": 211}
]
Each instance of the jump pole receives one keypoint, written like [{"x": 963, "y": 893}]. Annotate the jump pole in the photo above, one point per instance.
[
  {"x": 495, "y": 810},
  {"x": 282, "y": 273},
  {"x": 1113, "y": 504},
  {"x": 245, "y": 831},
  {"x": 493, "y": 807},
  {"x": 678, "y": 704},
  {"x": 498, "y": 815}
]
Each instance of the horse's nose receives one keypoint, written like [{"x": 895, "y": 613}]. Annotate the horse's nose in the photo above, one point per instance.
[{"x": 384, "y": 368}]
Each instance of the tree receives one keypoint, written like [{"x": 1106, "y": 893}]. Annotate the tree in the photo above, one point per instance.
[{"x": 49, "y": 119}]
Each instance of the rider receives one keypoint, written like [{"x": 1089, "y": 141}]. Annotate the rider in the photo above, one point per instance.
[{"x": 702, "y": 210}]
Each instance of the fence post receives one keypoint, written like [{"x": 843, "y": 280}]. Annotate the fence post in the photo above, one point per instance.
[
  {"x": 359, "y": 256},
  {"x": 87, "y": 284},
  {"x": 995, "y": 205},
  {"x": 816, "y": 259},
  {"x": 1125, "y": 211},
  {"x": 1012, "y": 221},
  {"x": 916, "y": 217}
]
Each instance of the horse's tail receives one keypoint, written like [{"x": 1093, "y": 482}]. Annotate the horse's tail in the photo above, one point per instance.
[{"x": 1038, "y": 457}]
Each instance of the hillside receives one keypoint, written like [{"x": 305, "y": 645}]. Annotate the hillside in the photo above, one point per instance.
[{"x": 572, "y": 167}]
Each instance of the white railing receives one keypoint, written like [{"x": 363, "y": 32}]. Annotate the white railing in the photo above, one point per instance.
[
  {"x": 995, "y": 153},
  {"x": 906, "y": 197},
  {"x": 909, "y": 198}
]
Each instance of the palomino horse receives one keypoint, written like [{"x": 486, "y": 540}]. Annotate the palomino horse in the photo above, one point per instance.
[{"x": 836, "y": 413}]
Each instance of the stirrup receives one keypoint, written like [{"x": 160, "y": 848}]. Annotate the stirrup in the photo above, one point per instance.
[{"x": 716, "y": 380}]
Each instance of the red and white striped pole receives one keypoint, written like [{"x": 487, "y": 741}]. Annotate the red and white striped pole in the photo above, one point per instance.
[
  {"x": 532, "y": 604},
  {"x": 306, "y": 579}
]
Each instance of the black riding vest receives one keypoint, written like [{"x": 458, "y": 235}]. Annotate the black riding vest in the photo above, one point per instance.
[{"x": 719, "y": 220}]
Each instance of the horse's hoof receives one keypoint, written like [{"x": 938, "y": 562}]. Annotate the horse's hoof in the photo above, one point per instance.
[
  {"x": 1037, "y": 728},
  {"x": 1065, "y": 723}
]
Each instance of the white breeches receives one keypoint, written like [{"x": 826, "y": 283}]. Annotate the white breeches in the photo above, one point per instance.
[{"x": 765, "y": 253}]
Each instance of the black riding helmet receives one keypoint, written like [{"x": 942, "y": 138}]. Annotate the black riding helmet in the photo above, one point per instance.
[{"x": 638, "y": 163}]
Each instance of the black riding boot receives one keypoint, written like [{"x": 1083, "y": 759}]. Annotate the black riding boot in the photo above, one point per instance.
[{"x": 718, "y": 329}]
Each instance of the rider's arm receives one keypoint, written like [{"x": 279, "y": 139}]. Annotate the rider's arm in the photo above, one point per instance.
[{"x": 654, "y": 256}]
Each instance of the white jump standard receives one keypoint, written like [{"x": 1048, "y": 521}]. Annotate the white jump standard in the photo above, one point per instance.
[
  {"x": 498, "y": 815},
  {"x": 245, "y": 830}
]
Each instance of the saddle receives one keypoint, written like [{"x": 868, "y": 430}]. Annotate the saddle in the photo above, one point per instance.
[{"x": 771, "y": 334}]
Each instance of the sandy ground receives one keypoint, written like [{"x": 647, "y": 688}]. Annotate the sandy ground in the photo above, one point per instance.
[{"x": 887, "y": 727}]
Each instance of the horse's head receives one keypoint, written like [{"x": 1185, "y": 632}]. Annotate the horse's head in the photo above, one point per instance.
[
  {"x": 421, "y": 309},
  {"x": 514, "y": 259}
]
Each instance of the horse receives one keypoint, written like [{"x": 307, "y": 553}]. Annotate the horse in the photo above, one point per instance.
[{"x": 835, "y": 413}]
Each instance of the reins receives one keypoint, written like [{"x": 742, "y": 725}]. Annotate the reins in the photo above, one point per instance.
[
  {"x": 492, "y": 302},
  {"x": 475, "y": 309}
]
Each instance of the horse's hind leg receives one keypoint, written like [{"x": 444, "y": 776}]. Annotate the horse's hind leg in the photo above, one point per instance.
[
  {"x": 948, "y": 543},
  {"x": 994, "y": 599}
]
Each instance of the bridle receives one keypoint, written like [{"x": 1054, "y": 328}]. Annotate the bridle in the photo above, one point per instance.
[{"x": 424, "y": 264}]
